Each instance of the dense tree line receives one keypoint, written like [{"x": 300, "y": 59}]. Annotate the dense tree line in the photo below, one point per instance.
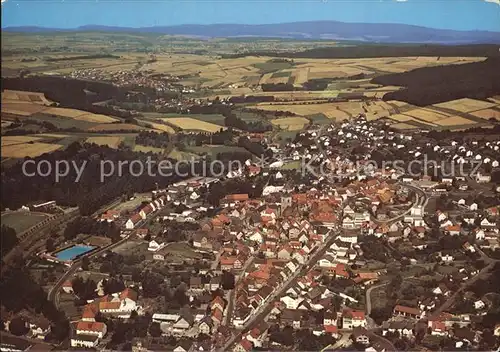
[
  {"x": 19, "y": 291},
  {"x": 278, "y": 87},
  {"x": 153, "y": 139},
  {"x": 375, "y": 50},
  {"x": 83, "y": 57},
  {"x": 251, "y": 99},
  {"x": 431, "y": 85},
  {"x": 255, "y": 148},
  {"x": 71, "y": 93},
  {"x": 231, "y": 120},
  {"x": 89, "y": 193},
  {"x": 88, "y": 225},
  {"x": 9, "y": 239}
]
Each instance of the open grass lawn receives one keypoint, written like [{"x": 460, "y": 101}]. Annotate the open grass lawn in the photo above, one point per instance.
[
  {"x": 182, "y": 250},
  {"x": 21, "y": 221}
]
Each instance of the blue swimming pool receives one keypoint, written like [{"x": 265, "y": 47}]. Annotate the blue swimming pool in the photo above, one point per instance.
[{"x": 73, "y": 252}]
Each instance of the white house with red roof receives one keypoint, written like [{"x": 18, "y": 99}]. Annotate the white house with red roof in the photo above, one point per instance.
[{"x": 352, "y": 319}]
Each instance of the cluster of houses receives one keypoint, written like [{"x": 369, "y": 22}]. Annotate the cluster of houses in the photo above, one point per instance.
[{"x": 88, "y": 332}]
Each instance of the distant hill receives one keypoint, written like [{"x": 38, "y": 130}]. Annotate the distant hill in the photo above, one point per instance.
[{"x": 332, "y": 30}]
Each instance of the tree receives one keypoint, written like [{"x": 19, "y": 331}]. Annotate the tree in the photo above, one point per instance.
[
  {"x": 155, "y": 330},
  {"x": 227, "y": 280},
  {"x": 9, "y": 239},
  {"x": 18, "y": 327},
  {"x": 49, "y": 245},
  {"x": 85, "y": 263}
]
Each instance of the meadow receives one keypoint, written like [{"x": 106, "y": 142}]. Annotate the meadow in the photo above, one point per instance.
[{"x": 20, "y": 220}]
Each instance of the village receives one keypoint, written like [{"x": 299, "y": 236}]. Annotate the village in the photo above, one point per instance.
[{"x": 356, "y": 258}]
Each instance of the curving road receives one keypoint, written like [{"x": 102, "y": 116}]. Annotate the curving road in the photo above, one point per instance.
[{"x": 53, "y": 293}]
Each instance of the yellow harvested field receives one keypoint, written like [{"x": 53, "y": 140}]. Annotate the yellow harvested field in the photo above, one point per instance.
[
  {"x": 397, "y": 103},
  {"x": 265, "y": 78},
  {"x": 487, "y": 114},
  {"x": 332, "y": 110},
  {"x": 188, "y": 123},
  {"x": 80, "y": 115},
  {"x": 22, "y": 108},
  {"x": 337, "y": 115},
  {"x": 401, "y": 118},
  {"x": 160, "y": 126},
  {"x": 65, "y": 112},
  {"x": 96, "y": 118},
  {"x": 53, "y": 135},
  {"x": 291, "y": 123},
  {"x": 427, "y": 114},
  {"x": 28, "y": 150},
  {"x": 9, "y": 140},
  {"x": 32, "y": 97},
  {"x": 455, "y": 120},
  {"x": 406, "y": 118},
  {"x": 466, "y": 105},
  {"x": 110, "y": 141},
  {"x": 495, "y": 99},
  {"x": 403, "y": 126},
  {"x": 301, "y": 75},
  {"x": 116, "y": 127}
]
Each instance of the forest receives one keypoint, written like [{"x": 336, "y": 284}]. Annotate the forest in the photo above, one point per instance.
[
  {"x": 375, "y": 50},
  {"x": 432, "y": 85}
]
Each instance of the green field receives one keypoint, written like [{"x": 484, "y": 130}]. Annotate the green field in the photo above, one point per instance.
[
  {"x": 21, "y": 221},
  {"x": 147, "y": 149},
  {"x": 215, "y": 149},
  {"x": 319, "y": 119},
  {"x": 272, "y": 66}
]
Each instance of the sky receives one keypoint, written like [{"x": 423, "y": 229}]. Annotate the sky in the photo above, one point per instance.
[{"x": 445, "y": 14}]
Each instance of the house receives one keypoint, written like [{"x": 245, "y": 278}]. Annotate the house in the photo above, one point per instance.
[
  {"x": 453, "y": 230},
  {"x": 480, "y": 178},
  {"x": 438, "y": 328},
  {"x": 258, "y": 334},
  {"x": 352, "y": 319},
  {"x": 67, "y": 287},
  {"x": 403, "y": 327},
  {"x": 206, "y": 325},
  {"x": 360, "y": 335},
  {"x": 133, "y": 221},
  {"x": 195, "y": 283},
  {"x": 285, "y": 253},
  {"x": 291, "y": 317},
  {"x": 408, "y": 312},
  {"x": 87, "y": 341},
  {"x": 184, "y": 345},
  {"x": 496, "y": 331},
  {"x": 243, "y": 346},
  {"x": 218, "y": 303},
  {"x": 241, "y": 316},
  {"x": 478, "y": 305},
  {"x": 40, "y": 327},
  {"x": 185, "y": 321},
  {"x": 91, "y": 328}
]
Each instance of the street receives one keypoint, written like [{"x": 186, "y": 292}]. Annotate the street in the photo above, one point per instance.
[{"x": 265, "y": 309}]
